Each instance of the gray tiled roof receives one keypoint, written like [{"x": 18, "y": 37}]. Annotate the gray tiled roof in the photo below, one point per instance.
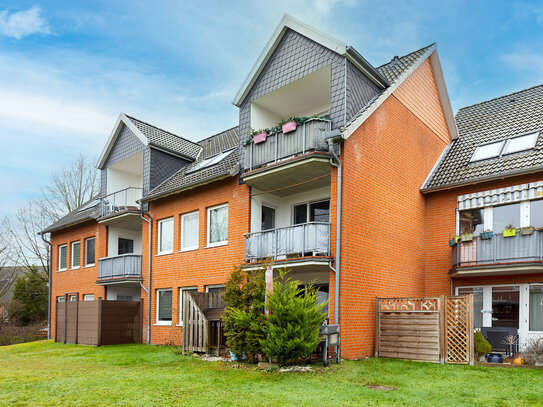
[
  {"x": 493, "y": 120},
  {"x": 184, "y": 178},
  {"x": 167, "y": 140},
  {"x": 392, "y": 71},
  {"x": 75, "y": 216}
]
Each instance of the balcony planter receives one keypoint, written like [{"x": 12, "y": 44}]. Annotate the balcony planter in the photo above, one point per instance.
[
  {"x": 509, "y": 232},
  {"x": 260, "y": 137},
  {"x": 486, "y": 235},
  {"x": 288, "y": 127},
  {"x": 527, "y": 230},
  {"x": 453, "y": 241},
  {"x": 466, "y": 237}
]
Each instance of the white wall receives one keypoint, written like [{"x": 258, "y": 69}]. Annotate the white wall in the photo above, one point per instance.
[
  {"x": 283, "y": 206},
  {"x": 114, "y": 233},
  {"x": 123, "y": 289},
  {"x": 124, "y": 174}
]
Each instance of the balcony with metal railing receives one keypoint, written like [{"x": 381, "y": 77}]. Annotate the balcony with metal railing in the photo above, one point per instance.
[
  {"x": 121, "y": 201},
  {"x": 291, "y": 242},
  {"x": 122, "y": 267},
  {"x": 519, "y": 249}
]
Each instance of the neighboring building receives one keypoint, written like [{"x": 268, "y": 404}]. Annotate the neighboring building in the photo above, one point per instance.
[{"x": 228, "y": 200}]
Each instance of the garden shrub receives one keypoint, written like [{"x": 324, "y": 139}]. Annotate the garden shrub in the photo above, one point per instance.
[
  {"x": 481, "y": 345},
  {"x": 533, "y": 352},
  {"x": 294, "y": 321}
]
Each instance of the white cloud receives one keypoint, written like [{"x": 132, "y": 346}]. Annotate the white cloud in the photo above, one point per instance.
[
  {"x": 525, "y": 61},
  {"x": 21, "y": 24}
]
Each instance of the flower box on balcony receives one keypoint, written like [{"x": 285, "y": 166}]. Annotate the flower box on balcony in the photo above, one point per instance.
[
  {"x": 288, "y": 127},
  {"x": 527, "y": 230},
  {"x": 486, "y": 235},
  {"x": 509, "y": 232},
  {"x": 453, "y": 241},
  {"x": 466, "y": 237},
  {"x": 260, "y": 137}
]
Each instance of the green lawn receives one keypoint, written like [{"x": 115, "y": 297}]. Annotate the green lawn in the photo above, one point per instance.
[{"x": 46, "y": 373}]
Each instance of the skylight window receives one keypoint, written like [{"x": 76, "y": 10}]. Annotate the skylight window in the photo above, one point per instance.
[
  {"x": 520, "y": 143},
  {"x": 487, "y": 151},
  {"x": 208, "y": 162}
]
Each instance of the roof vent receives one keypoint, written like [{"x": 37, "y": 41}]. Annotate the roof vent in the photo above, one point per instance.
[{"x": 395, "y": 62}]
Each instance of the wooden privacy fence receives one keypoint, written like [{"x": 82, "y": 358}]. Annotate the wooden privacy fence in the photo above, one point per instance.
[
  {"x": 199, "y": 310},
  {"x": 99, "y": 322},
  {"x": 435, "y": 329}
]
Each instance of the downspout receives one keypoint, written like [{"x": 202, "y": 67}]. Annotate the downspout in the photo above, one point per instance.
[
  {"x": 150, "y": 257},
  {"x": 333, "y": 137},
  {"x": 49, "y": 285}
]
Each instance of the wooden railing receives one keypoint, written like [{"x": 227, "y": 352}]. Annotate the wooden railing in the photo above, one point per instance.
[
  {"x": 118, "y": 267},
  {"x": 307, "y": 137}
]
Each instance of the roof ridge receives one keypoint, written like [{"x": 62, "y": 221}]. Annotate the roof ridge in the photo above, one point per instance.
[
  {"x": 501, "y": 97},
  {"x": 161, "y": 129},
  {"x": 409, "y": 53},
  {"x": 216, "y": 134}
]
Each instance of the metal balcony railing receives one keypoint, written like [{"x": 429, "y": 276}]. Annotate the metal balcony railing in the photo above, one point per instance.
[
  {"x": 499, "y": 249},
  {"x": 305, "y": 239},
  {"x": 118, "y": 267},
  {"x": 120, "y": 201},
  {"x": 307, "y": 137}
]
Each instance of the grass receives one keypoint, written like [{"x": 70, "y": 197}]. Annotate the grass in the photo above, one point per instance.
[{"x": 47, "y": 373}]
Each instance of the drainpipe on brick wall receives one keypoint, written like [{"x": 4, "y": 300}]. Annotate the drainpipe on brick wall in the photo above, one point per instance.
[
  {"x": 333, "y": 137},
  {"x": 50, "y": 265},
  {"x": 150, "y": 222}
]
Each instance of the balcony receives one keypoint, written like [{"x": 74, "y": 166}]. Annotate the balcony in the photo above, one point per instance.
[
  {"x": 307, "y": 137},
  {"x": 519, "y": 249},
  {"x": 121, "y": 201},
  {"x": 306, "y": 239},
  {"x": 123, "y": 267}
]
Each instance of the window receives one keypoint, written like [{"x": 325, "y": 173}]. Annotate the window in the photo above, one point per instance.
[
  {"x": 471, "y": 221},
  {"x": 125, "y": 246},
  {"x": 164, "y": 307},
  {"x": 487, "y": 151},
  {"x": 76, "y": 255},
  {"x": 536, "y": 213},
  {"x": 217, "y": 225},
  {"x": 72, "y": 298},
  {"x": 183, "y": 292},
  {"x": 189, "y": 231},
  {"x": 61, "y": 299},
  {"x": 62, "y": 257},
  {"x": 208, "y": 162},
  {"x": 506, "y": 215},
  {"x": 89, "y": 251},
  {"x": 520, "y": 143},
  {"x": 312, "y": 212},
  {"x": 477, "y": 304},
  {"x": 165, "y": 236},
  {"x": 214, "y": 288},
  {"x": 124, "y": 298},
  {"x": 88, "y": 297},
  {"x": 268, "y": 218},
  {"x": 536, "y": 308},
  {"x": 505, "y": 306}
]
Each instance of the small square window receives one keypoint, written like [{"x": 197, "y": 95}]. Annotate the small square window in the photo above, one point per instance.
[
  {"x": 61, "y": 299},
  {"x": 164, "y": 307},
  {"x": 165, "y": 236},
  {"x": 88, "y": 297},
  {"x": 76, "y": 255},
  {"x": 62, "y": 257}
]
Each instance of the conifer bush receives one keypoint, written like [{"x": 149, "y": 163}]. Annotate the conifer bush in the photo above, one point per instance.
[{"x": 480, "y": 344}]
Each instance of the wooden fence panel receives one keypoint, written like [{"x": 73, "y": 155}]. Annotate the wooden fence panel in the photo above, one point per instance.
[
  {"x": 195, "y": 324},
  {"x": 60, "y": 331},
  {"x": 71, "y": 321},
  {"x": 87, "y": 332}
]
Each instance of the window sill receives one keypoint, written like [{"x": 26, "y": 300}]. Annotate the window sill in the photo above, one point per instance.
[
  {"x": 163, "y": 324},
  {"x": 210, "y": 246},
  {"x": 180, "y": 325},
  {"x": 163, "y": 254},
  {"x": 60, "y": 270},
  {"x": 89, "y": 266},
  {"x": 75, "y": 268},
  {"x": 192, "y": 249}
]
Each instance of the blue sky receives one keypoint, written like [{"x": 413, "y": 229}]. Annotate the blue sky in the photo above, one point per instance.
[{"x": 67, "y": 68}]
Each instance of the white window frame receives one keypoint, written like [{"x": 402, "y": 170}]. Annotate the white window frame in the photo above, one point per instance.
[
  {"x": 60, "y": 268},
  {"x": 533, "y": 142},
  {"x": 159, "y": 242},
  {"x": 72, "y": 298},
  {"x": 529, "y": 285},
  {"x": 183, "y": 216},
  {"x": 158, "y": 322},
  {"x": 88, "y": 297},
  {"x": 94, "y": 262},
  {"x": 72, "y": 255},
  {"x": 208, "y": 226},
  {"x": 214, "y": 286},
  {"x": 181, "y": 289},
  {"x": 61, "y": 298}
]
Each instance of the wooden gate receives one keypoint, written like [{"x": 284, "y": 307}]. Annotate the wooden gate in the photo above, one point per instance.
[
  {"x": 198, "y": 310},
  {"x": 435, "y": 329}
]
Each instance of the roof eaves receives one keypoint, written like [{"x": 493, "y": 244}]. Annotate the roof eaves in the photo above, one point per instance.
[
  {"x": 368, "y": 69},
  {"x": 436, "y": 166}
]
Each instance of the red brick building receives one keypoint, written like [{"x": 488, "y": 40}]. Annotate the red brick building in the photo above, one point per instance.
[{"x": 361, "y": 197}]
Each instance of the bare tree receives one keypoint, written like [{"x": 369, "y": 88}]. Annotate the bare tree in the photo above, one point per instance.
[
  {"x": 70, "y": 187},
  {"x": 7, "y": 272}
]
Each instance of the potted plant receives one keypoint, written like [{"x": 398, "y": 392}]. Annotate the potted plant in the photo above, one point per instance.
[
  {"x": 466, "y": 237},
  {"x": 509, "y": 231},
  {"x": 527, "y": 230},
  {"x": 481, "y": 345},
  {"x": 288, "y": 125},
  {"x": 259, "y": 136},
  {"x": 453, "y": 241},
  {"x": 487, "y": 234}
]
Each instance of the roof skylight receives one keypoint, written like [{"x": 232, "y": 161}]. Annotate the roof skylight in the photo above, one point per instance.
[
  {"x": 208, "y": 162},
  {"x": 508, "y": 146}
]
